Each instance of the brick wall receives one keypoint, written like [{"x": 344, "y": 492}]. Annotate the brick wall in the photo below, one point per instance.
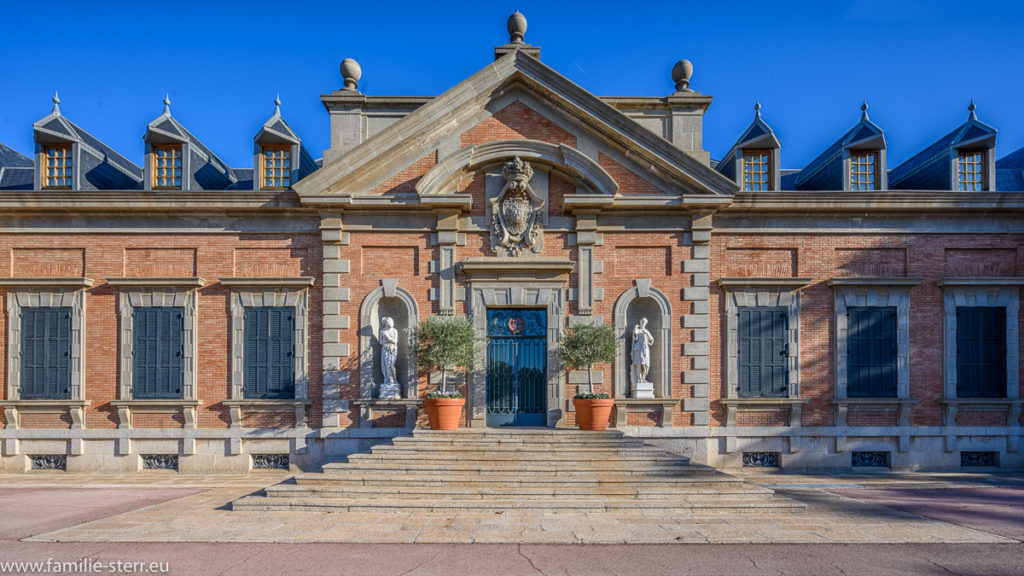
[
  {"x": 822, "y": 256},
  {"x": 209, "y": 256}
]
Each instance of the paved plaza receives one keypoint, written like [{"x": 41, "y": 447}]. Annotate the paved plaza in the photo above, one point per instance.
[{"x": 904, "y": 523}]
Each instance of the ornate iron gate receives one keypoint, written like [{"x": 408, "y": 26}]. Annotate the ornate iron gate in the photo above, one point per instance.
[{"x": 516, "y": 367}]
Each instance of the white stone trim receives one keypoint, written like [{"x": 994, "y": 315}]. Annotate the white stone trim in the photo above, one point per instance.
[
  {"x": 981, "y": 295},
  {"x": 762, "y": 296},
  {"x": 662, "y": 341},
  {"x": 136, "y": 297},
  {"x": 27, "y": 297},
  {"x": 294, "y": 296},
  {"x": 369, "y": 327},
  {"x": 897, "y": 297}
]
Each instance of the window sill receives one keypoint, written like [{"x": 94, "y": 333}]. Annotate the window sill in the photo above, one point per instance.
[
  {"x": 125, "y": 408},
  {"x": 240, "y": 407},
  {"x": 952, "y": 406},
  {"x": 74, "y": 408}
]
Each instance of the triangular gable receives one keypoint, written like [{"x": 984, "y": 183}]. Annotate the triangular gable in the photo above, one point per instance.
[{"x": 409, "y": 139}]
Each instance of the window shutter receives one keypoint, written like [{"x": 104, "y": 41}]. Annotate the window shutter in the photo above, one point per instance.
[
  {"x": 981, "y": 352},
  {"x": 763, "y": 353},
  {"x": 871, "y": 352},
  {"x": 45, "y": 353},
  {"x": 158, "y": 370},
  {"x": 269, "y": 352}
]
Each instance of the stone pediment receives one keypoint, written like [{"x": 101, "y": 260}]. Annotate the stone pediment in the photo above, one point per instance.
[{"x": 431, "y": 134}]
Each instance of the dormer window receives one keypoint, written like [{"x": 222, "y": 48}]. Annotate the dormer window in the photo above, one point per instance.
[
  {"x": 864, "y": 170},
  {"x": 757, "y": 170},
  {"x": 57, "y": 159},
  {"x": 276, "y": 169},
  {"x": 970, "y": 168},
  {"x": 167, "y": 167}
]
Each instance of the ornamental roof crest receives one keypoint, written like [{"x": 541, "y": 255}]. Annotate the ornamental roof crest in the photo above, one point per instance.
[{"x": 516, "y": 212}]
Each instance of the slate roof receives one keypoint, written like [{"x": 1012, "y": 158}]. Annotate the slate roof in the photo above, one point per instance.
[
  {"x": 210, "y": 173},
  {"x": 758, "y": 135},
  {"x": 277, "y": 130},
  {"x": 102, "y": 167},
  {"x": 16, "y": 178},
  {"x": 10, "y": 157},
  {"x": 826, "y": 171},
  {"x": 928, "y": 169}
]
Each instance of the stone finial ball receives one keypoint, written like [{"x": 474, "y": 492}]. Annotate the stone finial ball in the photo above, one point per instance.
[
  {"x": 351, "y": 72},
  {"x": 516, "y": 26},
  {"x": 681, "y": 73}
]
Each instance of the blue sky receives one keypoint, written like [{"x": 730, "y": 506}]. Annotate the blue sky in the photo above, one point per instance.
[{"x": 918, "y": 63}]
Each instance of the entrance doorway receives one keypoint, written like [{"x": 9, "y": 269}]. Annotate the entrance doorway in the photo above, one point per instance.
[{"x": 517, "y": 350}]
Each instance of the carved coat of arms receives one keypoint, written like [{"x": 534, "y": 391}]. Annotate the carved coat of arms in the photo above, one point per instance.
[{"x": 516, "y": 212}]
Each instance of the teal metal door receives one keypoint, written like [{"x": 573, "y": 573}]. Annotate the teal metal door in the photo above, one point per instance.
[{"x": 516, "y": 367}]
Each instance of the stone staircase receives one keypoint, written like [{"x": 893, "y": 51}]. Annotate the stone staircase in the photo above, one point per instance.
[{"x": 524, "y": 469}]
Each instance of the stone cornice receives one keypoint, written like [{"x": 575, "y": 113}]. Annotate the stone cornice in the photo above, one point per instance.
[
  {"x": 589, "y": 203},
  {"x": 269, "y": 282},
  {"x": 874, "y": 281},
  {"x": 913, "y": 201},
  {"x": 347, "y": 202},
  {"x": 689, "y": 100},
  {"x": 58, "y": 283},
  {"x": 761, "y": 282},
  {"x": 146, "y": 200},
  {"x": 156, "y": 282}
]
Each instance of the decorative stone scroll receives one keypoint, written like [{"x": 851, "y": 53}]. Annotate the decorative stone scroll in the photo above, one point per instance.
[{"x": 516, "y": 213}]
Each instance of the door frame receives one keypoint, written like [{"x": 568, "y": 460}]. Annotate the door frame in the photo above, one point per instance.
[
  {"x": 522, "y": 283},
  {"x": 514, "y": 418}
]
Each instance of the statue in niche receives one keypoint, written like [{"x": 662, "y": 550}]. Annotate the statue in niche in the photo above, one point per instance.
[
  {"x": 516, "y": 212},
  {"x": 388, "y": 338},
  {"x": 640, "y": 361}
]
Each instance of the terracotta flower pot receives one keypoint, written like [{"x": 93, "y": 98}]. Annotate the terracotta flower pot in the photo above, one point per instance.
[
  {"x": 444, "y": 413},
  {"x": 593, "y": 414}
]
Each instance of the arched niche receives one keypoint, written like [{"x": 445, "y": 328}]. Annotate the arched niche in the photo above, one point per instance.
[
  {"x": 387, "y": 300},
  {"x": 644, "y": 301}
]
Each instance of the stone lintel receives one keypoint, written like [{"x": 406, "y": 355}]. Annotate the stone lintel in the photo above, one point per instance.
[
  {"x": 269, "y": 282},
  {"x": 874, "y": 281},
  {"x": 981, "y": 281},
  {"x": 764, "y": 282},
  {"x": 182, "y": 282},
  {"x": 57, "y": 283}
]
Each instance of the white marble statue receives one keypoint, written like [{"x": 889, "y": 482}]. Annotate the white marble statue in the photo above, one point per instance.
[
  {"x": 640, "y": 358},
  {"x": 388, "y": 338}
]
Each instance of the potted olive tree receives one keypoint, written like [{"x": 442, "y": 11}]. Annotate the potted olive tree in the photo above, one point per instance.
[
  {"x": 445, "y": 343},
  {"x": 583, "y": 346}
]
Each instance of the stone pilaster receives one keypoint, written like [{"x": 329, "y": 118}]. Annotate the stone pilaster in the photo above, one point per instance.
[
  {"x": 586, "y": 238},
  {"x": 447, "y": 238},
  {"x": 335, "y": 293},
  {"x": 698, "y": 321}
]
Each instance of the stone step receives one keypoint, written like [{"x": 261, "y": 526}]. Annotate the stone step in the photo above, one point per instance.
[
  {"x": 740, "y": 491},
  {"x": 487, "y": 468},
  {"x": 384, "y": 505},
  {"x": 558, "y": 434},
  {"x": 550, "y": 481},
  {"x": 448, "y": 458},
  {"x": 406, "y": 449},
  {"x": 484, "y": 444}
]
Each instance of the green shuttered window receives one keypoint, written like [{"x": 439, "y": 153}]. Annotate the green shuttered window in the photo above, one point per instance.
[
  {"x": 871, "y": 352},
  {"x": 269, "y": 352},
  {"x": 157, "y": 370},
  {"x": 981, "y": 352},
  {"x": 763, "y": 352},
  {"x": 45, "y": 353}
]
